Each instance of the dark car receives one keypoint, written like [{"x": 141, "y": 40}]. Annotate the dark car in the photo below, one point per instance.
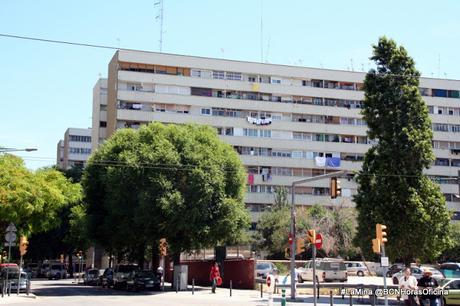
[
  {"x": 121, "y": 274},
  {"x": 92, "y": 277},
  {"x": 143, "y": 280},
  {"x": 395, "y": 269},
  {"x": 106, "y": 279}
]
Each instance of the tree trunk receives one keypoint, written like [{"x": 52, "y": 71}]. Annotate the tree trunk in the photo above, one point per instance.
[
  {"x": 70, "y": 254},
  {"x": 176, "y": 259},
  {"x": 155, "y": 259},
  {"x": 141, "y": 255}
]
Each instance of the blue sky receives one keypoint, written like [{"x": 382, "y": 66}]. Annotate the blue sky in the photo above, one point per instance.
[{"x": 46, "y": 88}]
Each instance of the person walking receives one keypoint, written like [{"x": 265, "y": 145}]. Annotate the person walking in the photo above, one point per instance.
[
  {"x": 408, "y": 282},
  {"x": 214, "y": 276},
  {"x": 428, "y": 282}
]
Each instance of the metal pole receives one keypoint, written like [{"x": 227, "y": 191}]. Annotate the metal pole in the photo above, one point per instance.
[
  {"x": 261, "y": 290},
  {"x": 351, "y": 300},
  {"x": 331, "y": 302},
  {"x": 384, "y": 276},
  {"x": 193, "y": 286},
  {"x": 314, "y": 272},
  {"x": 19, "y": 274},
  {"x": 231, "y": 288},
  {"x": 7, "y": 267},
  {"x": 293, "y": 280}
]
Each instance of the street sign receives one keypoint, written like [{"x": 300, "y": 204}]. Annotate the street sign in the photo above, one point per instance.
[
  {"x": 319, "y": 241},
  {"x": 384, "y": 261},
  {"x": 11, "y": 228},
  {"x": 269, "y": 281},
  {"x": 10, "y": 236},
  {"x": 7, "y": 244}
]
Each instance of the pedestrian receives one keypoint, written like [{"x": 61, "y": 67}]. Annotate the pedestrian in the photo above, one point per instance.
[
  {"x": 428, "y": 282},
  {"x": 214, "y": 276},
  {"x": 408, "y": 282}
]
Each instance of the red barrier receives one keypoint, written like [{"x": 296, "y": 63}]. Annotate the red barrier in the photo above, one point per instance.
[{"x": 240, "y": 272}]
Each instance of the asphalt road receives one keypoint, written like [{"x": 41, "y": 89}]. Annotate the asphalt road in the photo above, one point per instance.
[{"x": 65, "y": 292}]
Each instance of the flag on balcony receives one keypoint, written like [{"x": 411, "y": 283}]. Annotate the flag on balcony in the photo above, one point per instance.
[
  {"x": 251, "y": 179},
  {"x": 320, "y": 161},
  {"x": 333, "y": 162}
]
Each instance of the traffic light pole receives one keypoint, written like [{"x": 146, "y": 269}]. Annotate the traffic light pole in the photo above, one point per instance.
[
  {"x": 293, "y": 221},
  {"x": 385, "y": 269},
  {"x": 313, "y": 261},
  {"x": 19, "y": 277}
]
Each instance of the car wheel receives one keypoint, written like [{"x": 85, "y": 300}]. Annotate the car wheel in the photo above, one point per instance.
[
  {"x": 360, "y": 273},
  {"x": 395, "y": 281},
  {"x": 300, "y": 279}
]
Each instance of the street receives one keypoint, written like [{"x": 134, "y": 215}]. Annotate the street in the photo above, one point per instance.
[{"x": 65, "y": 292}]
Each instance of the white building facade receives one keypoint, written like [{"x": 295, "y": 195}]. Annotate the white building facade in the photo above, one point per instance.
[
  {"x": 285, "y": 122},
  {"x": 75, "y": 148}
]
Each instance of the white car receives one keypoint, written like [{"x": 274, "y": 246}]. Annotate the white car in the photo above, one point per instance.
[
  {"x": 327, "y": 270},
  {"x": 417, "y": 272},
  {"x": 265, "y": 268},
  {"x": 357, "y": 268}
]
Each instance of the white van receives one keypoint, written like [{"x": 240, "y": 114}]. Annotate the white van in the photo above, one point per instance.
[{"x": 327, "y": 270}]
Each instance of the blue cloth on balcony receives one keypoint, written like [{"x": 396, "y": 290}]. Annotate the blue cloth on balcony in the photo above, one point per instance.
[{"x": 333, "y": 161}]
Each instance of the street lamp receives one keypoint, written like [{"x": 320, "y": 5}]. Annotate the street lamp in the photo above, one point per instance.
[{"x": 6, "y": 150}]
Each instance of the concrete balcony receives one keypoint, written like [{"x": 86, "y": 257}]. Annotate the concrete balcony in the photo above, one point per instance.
[{"x": 309, "y": 200}]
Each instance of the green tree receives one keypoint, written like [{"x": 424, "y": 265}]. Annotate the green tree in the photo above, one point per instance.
[
  {"x": 281, "y": 198},
  {"x": 452, "y": 254},
  {"x": 392, "y": 187},
  {"x": 178, "y": 182},
  {"x": 32, "y": 200}
]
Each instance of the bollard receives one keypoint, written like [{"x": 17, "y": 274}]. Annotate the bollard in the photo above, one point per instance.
[
  {"x": 343, "y": 293},
  {"x": 331, "y": 301},
  {"x": 230, "y": 288},
  {"x": 193, "y": 286},
  {"x": 177, "y": 284},
  {"x": 351, "y": 300},
  {"x": 317, "y": 291},
  {"x": 283, "y": 297},
  {"x": 372, "y": 297},
  {"x": 261, "y": 291}
]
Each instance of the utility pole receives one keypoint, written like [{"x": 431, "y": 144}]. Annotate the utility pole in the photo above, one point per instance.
[{"x": 293, "y": 221}]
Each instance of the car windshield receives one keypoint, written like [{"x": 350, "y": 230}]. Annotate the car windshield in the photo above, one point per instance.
[
  {"x": 127, "y": 268},
  {"x": 443, "y": 282},
  {"x": 263, "y": 266},
  {"x": 146, "y": 274}
]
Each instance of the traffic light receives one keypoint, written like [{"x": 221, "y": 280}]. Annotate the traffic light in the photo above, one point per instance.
[
  {"x": 61, "y": 258},
  {"x": 336, "y": 189},
  {"x": 380, "y": 231},
  {"x": 299, "y": 246},
  {"x": 163, "y": 247},
  {"x": 376, "y": 246},
  {"x": 23, "y": 244},
  {"x": 311, "y": 236},
  {"x": 287, "y": 252}
]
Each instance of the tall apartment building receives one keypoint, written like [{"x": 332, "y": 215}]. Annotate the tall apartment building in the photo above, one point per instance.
[
  {"x": 74, "y": 149},
  {"x": 99, "y": 113},
  {"x": 285, "y": 122}
]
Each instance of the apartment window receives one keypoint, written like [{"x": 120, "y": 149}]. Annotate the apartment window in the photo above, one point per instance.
[
  {"x": 134, "y": 87},
  {"x": 195, "y": 73},
  {"x": 297, "y": 154},
  {"x": 102, "y": 124},
  {"x": 440, "y": 127},
  {"x": 275, "y": 81},
  {"x": 206, "y": 111},
  {"x": 235, "y": 76},
  {"x": 266, "y": 133},
  {"x": 441, "y": 162},
  {"x": 218, "y": 75},
  {"x": 439, "y": 93},
  {"x": 229, "y": 131},
  {"x": 250, "y": 132},
  {"x": 80, "y": 138},
  {"x": 251, "y": 79},
  {"x": 456, "y": 128}
]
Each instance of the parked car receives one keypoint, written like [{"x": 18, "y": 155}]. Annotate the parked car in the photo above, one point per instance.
[
  {"x": 327, "y": 270},
  {"x": 24, "y": 282},
  {"x": 450, "y": 269},
  {"x": 356, "y": 268},
  {"x": 107, "y": 278},
  {"x": 32, "y": 269},
  {"x": 453, "y": 285},
  {"x": 57, "y": 271},
  {"x": 418, "y": 273},
  {"x": 44, "y": 269},
  {"x": 142, "y": 280},
  {"x": 265, "y": 268},
  {"x": 121, "y": 273},
  {"x": 91, "y": 277},
  {"x": 395, "y": 269}
]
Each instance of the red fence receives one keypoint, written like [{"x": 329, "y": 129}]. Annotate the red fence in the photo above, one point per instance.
[{"x": 240, "y": 272}]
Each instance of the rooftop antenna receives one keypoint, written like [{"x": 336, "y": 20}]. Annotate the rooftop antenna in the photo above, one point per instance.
[
  {"x": 160, "y": 4},
  {"x": 261, "y": 31},
  {"x": 267, "y": 50}
]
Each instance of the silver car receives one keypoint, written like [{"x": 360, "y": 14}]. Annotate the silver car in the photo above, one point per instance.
[
  {"x": 265, "y": 268},
  {"x": 417, "y": 272}
]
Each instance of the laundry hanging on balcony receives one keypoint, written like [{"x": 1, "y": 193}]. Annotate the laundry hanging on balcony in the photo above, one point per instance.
[
  {"x": 333, "y": 162},
  {"x": 260, "y": 121},
  {"x": 251, "y": 179},
  {"x": 320, "y": 161}
]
